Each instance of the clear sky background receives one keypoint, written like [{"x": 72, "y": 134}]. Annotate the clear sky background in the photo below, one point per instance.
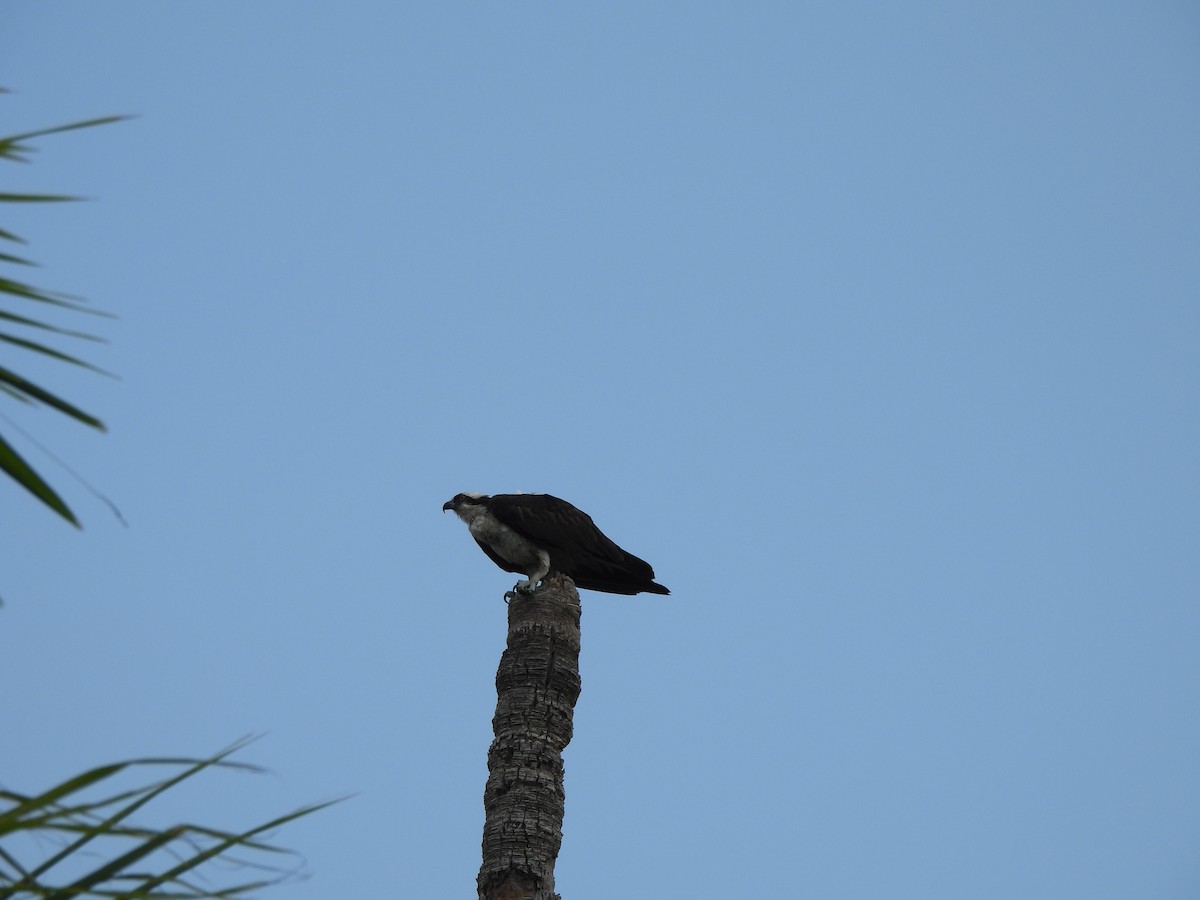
[{"x": 873, "y": 326}]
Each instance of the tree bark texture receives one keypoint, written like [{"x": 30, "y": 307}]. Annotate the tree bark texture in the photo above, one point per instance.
[{"x": 537, "y": 685}]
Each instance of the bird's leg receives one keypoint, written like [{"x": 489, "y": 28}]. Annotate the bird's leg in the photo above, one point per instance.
[
  {"x": 520, "y": 589},
  {"x": 528, "y": 585}
]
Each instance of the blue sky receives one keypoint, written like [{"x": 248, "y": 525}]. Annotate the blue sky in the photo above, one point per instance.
[{"x": 872, "y": 326}]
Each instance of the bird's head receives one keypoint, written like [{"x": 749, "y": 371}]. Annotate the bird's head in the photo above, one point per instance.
[{"x": 466, "y": 504}]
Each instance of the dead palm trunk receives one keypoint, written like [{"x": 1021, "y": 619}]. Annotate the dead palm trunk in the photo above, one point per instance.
[{"x": 537, "y": 685}]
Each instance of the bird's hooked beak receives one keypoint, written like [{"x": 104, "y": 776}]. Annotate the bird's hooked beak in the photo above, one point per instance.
[{"x": 449, "y": 504}]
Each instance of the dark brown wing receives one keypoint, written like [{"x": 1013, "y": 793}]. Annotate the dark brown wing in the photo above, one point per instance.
[{"x": 576, "y": 546}]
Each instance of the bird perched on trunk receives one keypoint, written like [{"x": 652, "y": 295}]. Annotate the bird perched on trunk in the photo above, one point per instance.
[{"x": 535, "y": 534}]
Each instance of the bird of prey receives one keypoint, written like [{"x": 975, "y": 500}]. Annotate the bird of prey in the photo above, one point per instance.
[{"x": 535, "y": 534}]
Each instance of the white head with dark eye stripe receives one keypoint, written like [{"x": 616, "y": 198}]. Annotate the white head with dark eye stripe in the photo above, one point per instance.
[{"x": 467, "y": 505}]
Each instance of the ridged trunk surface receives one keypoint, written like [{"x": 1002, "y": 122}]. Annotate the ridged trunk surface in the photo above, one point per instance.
[{"x": 537, "y": 685}]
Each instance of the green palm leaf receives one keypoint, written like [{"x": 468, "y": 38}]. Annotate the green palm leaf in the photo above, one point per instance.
[
  {"x": 13, "y": 465},
  {"x": 138, "y": 861},
  {"x": 16, "y": 312}
]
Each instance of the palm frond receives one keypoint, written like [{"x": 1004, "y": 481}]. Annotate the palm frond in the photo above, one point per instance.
[
  {"x": 137, "y": 861},
  {"x": 16, "y": 297}
]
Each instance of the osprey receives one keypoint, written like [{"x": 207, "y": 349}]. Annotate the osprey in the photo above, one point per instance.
[{"x": 535, "y": 534}]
